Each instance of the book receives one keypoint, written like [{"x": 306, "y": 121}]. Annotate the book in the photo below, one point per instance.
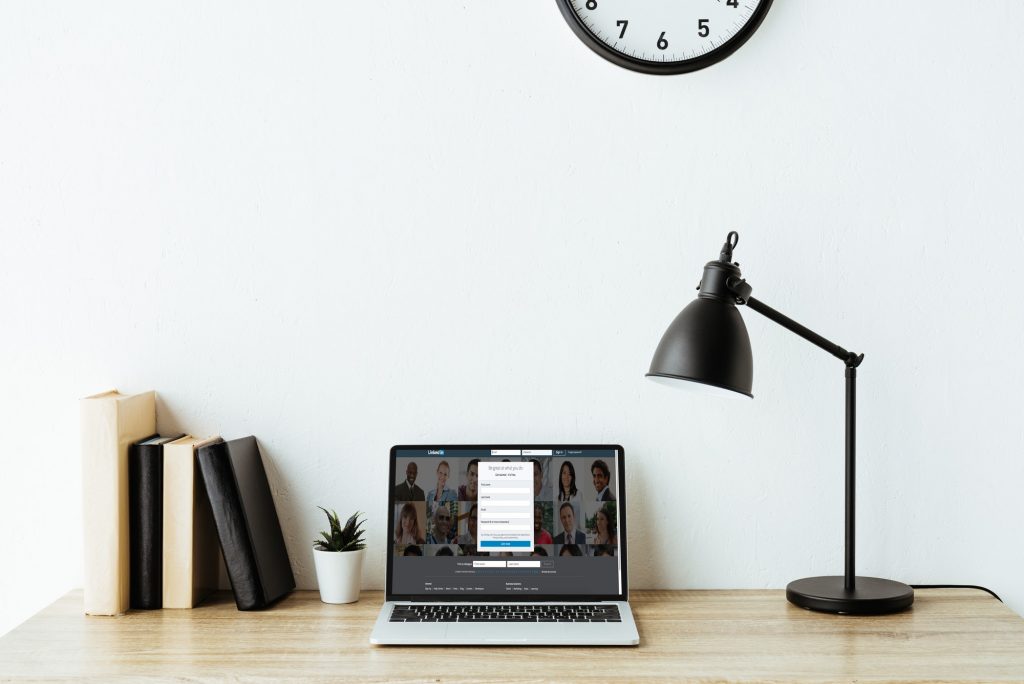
[
  {"x": 145, "y": 521},
  {"x": 191, "y": 555},
  {"x": 247, "y": 524},
  {"x": 110, "y": 423}
]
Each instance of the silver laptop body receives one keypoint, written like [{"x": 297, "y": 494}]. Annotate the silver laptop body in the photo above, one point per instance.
[{"x": 506, "y": 544}]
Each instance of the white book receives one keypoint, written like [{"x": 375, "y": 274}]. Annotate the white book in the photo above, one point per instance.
[
  {"x": 191, "y": 551},
  {"x": 110, "y": 423}
]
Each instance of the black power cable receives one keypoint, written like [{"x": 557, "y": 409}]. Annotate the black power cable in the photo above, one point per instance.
[{"x": 956, "y": 586}]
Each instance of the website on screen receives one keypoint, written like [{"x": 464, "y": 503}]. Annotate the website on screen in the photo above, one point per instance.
[{"x": 505, "y": 521}]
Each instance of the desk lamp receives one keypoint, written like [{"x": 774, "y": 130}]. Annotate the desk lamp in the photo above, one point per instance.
[{"x": 707, "y": 344}]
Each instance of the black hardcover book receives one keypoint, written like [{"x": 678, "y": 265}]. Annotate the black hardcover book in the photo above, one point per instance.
[
  {"x": 247, "y": 524},
  {"x": 146, "y": 522}
]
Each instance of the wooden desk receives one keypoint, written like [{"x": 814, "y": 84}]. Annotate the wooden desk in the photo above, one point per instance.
[{"x": 706, "y": 636}]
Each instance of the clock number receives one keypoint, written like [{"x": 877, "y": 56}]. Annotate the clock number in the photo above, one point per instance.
[
  {"x": 702, "y": 28},
  {"x": 732, "y": 3},
  {"x": 662, "y": 43},
  {"x": 591, "y": 4},
  {"x": 623, "y": 23}
]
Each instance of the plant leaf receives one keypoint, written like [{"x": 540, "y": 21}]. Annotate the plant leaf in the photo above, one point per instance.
[{"x": 347, "y": 538}]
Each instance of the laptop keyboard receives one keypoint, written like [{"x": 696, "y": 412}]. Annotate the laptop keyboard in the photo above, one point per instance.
[{"x": 506, "y": 613}]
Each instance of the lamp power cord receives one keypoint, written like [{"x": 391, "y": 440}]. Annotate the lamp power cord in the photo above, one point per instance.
[{"x": 956, "y": 586}]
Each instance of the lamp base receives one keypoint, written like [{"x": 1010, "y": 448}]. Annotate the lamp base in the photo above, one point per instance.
[{"x": 872, "y": 596}]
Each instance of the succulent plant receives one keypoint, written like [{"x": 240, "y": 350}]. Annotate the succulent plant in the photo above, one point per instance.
[{"x": 347, "y": 538}]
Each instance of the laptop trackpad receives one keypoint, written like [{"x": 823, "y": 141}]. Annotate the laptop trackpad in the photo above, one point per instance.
[{"x": 513, "y": 633}]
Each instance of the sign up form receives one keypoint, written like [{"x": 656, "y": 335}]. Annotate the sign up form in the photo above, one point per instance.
[{"x": 505, "y": 506}]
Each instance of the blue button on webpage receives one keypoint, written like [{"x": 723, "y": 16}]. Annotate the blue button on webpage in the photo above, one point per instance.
[{"x": 505, "y": 544}]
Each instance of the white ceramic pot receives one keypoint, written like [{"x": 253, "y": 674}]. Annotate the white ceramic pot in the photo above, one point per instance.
[{"x": 339, "y": 574}]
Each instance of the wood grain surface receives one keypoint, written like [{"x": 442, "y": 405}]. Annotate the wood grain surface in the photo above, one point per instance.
[{"x": 700, "y": 636}]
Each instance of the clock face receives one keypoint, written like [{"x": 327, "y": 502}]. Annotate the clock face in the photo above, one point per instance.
[{"x": 664, "y": 36}]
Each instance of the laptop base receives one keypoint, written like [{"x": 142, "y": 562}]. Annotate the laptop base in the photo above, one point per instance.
[{"x": 504, "y": 633}]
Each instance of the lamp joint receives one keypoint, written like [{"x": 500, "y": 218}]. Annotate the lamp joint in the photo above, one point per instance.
[{"x": 740, "y": 289}]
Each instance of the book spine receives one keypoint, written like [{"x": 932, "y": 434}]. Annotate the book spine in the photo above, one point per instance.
[
  {"x": 101, "y": 512},
  {"x": 178, "y": 503},
  {"x": 229, "y": 516},
  {"x": 145, "y": 503},
  {"x": 191, "y": 552},
  {"x": 109, "y": 424}
]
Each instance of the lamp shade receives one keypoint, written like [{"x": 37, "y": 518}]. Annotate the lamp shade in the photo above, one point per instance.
[{"x": 707, "y": 343}]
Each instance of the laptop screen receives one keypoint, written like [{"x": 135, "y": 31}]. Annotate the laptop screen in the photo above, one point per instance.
[{"x": 511, "y": 523}]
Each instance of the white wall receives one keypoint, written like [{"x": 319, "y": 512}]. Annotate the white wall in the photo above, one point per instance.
[{"x": 340, "y": 226}]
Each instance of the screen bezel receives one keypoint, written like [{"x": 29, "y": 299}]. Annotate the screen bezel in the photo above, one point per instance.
[{"x": 623, "y": 595}]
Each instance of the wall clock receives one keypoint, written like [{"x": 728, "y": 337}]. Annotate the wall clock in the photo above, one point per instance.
[{"x": 664, "y": 36}]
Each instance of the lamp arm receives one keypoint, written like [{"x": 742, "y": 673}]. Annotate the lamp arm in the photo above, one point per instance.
[{"x": 741, "y": 289}]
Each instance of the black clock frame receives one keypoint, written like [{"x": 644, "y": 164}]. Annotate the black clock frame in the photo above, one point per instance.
[{"x": 663, "y": 68}]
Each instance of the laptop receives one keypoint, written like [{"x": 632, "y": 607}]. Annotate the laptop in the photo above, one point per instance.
[{"x": 506, "y": 544}]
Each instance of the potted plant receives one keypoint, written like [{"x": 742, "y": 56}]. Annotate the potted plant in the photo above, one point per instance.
[{"x": 339, "y": 559}]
